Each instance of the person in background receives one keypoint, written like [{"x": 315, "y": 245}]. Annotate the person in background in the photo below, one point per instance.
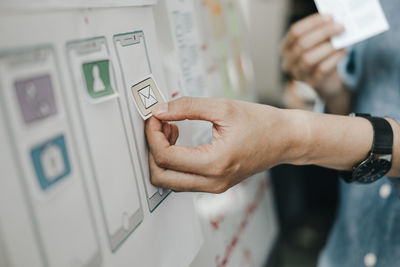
[
  {"x": 249, "y": 138},
  {"x": 363, "y": 79}
]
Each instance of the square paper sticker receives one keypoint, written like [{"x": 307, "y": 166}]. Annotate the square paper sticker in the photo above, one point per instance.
[
  {"x": 361, "y": 19},
  {"x": 146, "y": 95},
  {"x": 36, "y": 98},
  {"x": 97, "y": 78},
  {"x": 51, "y": 162}
]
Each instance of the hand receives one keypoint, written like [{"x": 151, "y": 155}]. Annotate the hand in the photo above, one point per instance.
[
  {"x": 247, "y": 138},
  {"x": 310, "y": 57}
]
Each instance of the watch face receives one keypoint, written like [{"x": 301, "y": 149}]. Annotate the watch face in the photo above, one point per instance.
[{"x": 371, "y": 170}]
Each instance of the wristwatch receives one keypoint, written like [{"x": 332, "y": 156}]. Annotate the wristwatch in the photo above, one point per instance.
[{"x": 379, "y": 161}]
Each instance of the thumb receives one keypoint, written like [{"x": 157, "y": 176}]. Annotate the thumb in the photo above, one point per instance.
[{"x": 191, "y": 108}]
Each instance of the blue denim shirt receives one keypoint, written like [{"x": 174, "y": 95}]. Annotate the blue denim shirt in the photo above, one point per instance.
[{"x": 367, "y": 227}]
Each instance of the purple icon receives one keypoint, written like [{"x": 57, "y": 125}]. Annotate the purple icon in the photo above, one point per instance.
[{"x": 36, "y": 98}]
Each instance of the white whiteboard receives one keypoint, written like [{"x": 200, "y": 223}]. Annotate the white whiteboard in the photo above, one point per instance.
[
  {"x": 124, "y": 221},
  {"x": 161, "y": 232},
  {"x": 19, "y": 5}
]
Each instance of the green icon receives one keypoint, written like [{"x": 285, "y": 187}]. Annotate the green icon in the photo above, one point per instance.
[{"x": 97, "y": 77}]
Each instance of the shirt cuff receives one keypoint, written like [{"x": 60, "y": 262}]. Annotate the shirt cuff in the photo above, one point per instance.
[{"x": 395, "y": 181}]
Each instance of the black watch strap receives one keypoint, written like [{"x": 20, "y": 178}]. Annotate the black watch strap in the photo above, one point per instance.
[
  {"x": 383, "y": 135},
  {"x": 382, "y": 145}
]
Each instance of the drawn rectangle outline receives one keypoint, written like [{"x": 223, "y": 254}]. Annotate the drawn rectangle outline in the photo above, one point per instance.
[
  {"x": 96, "y": 260},
  {"x": 117, "y": 238},
  {"x": 155, "y": 200}
]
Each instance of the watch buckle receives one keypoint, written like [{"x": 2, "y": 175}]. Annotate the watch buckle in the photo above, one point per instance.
[{"x": 387, "y": 157}]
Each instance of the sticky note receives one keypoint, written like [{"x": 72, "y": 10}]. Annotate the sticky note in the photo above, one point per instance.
[
  {"x": 51, "y": 162},
  {"x": 97, "y": 78},
  {"x": 146, "y": 96},
  {"x": 36, "y": 98},
  {"x": 362, "y": 19}
]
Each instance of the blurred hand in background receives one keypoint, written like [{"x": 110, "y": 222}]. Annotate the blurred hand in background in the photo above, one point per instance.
[{"x": 310, "y": 57}]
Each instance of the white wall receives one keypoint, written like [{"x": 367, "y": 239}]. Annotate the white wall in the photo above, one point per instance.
[{"x": 103, "y": 211}]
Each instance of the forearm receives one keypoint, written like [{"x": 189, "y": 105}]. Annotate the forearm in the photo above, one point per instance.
[{"x": 338, "y": 142}]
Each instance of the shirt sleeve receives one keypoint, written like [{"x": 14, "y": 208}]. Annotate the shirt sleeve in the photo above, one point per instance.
[
  {"x": 396, "y": 185},
  {"x": 350, "y": 67},
  {"x": 395, "y": 181}
]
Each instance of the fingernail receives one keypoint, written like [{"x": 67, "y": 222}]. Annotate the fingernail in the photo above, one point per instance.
[{"x": 160, "y": 109}]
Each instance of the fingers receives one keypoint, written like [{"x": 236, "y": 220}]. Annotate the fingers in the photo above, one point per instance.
[
  {"x": 309, "y": 60},
  {"x": 315, "y": 56},
  {"x": 315, "y": 37},
  {"x": 155, "y": 133},
  {"x": 308, "y": 44},
  {"x": 191, "y": 108},
  {"x": 316, "y": 42},
  {"x": 303, "y": 26},
  {"x": 185, "y": 159},
  {"x": 327, "y": 66},
  {"x": 179, "y": 181},
  {"x": 166, "y": 128},
  {"x": 174, "y": 134},
  {"x": 171, "y": 132}
]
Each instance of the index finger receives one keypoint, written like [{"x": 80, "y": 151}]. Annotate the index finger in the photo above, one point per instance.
[{"x": 192, "y": 108}]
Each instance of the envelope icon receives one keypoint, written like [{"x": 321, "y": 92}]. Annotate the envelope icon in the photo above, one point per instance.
[{"x": 148, "y": 97}]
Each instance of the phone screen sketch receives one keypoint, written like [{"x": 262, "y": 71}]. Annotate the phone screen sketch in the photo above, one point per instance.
[
  {"x": 108, "y": 144},
  {"x": 33, "y": 96},
  {"x": 135, "y": 64}
]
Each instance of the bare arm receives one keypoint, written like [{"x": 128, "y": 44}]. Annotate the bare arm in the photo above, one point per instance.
[
  {"x": 248, "y": 138},
  {"x": 341, "y": 142}
]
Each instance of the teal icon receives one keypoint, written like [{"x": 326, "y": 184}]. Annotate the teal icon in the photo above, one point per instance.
[
  {"x": 97, "y": 77},
  {"x": 51, "y": 162}
]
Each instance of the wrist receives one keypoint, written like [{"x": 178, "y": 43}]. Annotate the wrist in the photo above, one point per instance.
[
  {"x": 337, "y": 142},
  {"x": 297, "y": 137}
]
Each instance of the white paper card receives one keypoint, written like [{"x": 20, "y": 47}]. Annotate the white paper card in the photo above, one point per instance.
[
  {"x": 362, "y": 19},
  {"x": 146, "y": 95}
]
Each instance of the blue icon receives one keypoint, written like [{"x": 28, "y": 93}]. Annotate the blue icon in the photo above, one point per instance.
[{"x": 50, "y": 161}]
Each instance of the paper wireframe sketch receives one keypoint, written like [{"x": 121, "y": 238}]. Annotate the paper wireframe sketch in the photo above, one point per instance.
[
  {"x": 146, "y": 95},
  {"x": 361, "y": 19}
]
